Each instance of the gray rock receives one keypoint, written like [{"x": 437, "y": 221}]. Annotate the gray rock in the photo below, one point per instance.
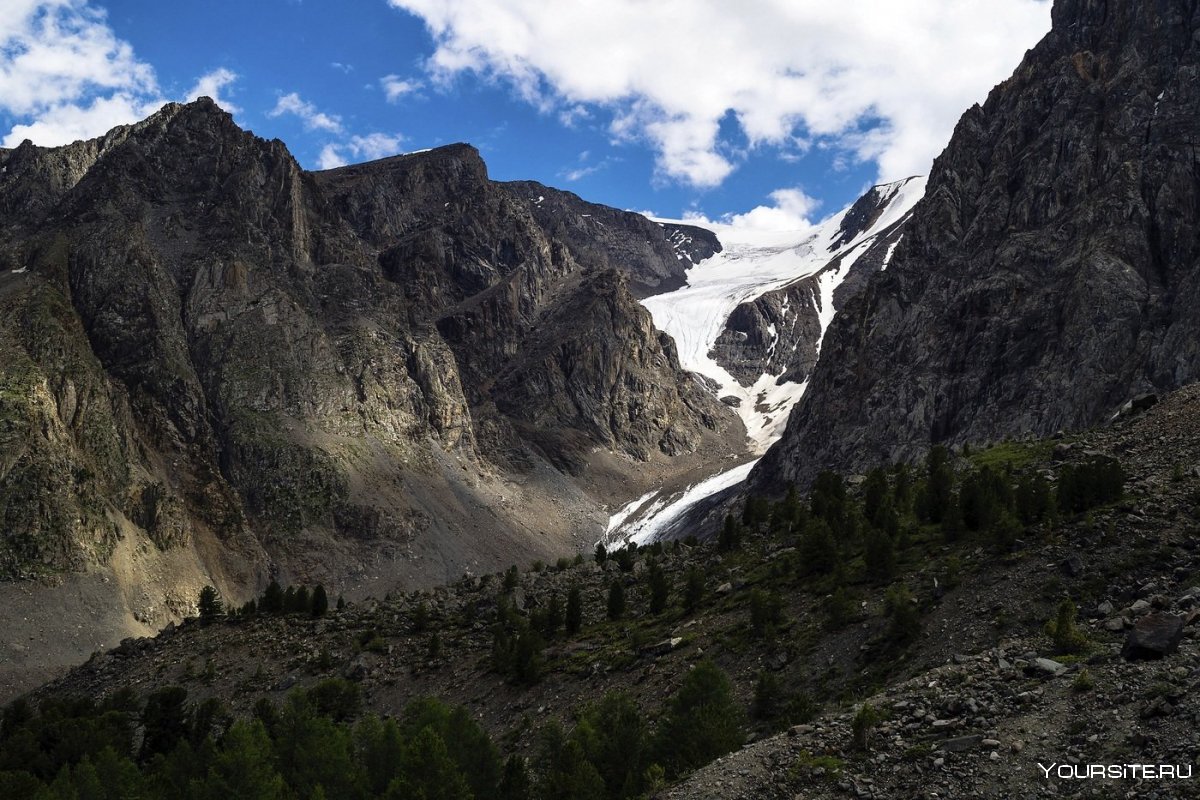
[
  {"x": 1049, "y": 666},
  {"x": 1153, "y": 636}
]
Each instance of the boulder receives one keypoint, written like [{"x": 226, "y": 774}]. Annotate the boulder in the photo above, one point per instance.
[{"x": 1154, "y": 636}]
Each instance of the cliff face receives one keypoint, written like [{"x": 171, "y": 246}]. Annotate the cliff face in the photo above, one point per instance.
[
  {"x": 215, "y": 366},
  {"x": 1050, "y": 272}
]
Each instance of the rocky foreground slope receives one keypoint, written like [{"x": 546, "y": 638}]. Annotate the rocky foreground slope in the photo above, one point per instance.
[
  {"x": 969, "y": 689},
  {"x": 1048, "y": 276}
]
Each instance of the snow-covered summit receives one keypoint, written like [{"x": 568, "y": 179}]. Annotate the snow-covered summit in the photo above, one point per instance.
[
  {"x": 755, "y": 262},
  {"x": 790, "y": 279}
]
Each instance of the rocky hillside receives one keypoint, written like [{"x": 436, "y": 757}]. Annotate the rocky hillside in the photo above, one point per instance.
[
  {"x": 217, "y": 367},
  {"x": 957, "y": 646},
  {"x": 1049, "y": 274}
]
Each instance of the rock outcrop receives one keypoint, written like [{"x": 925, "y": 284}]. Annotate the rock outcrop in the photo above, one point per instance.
[
  {"x": 1049, "y": 273},
  {"x": 605, "y": 236}
]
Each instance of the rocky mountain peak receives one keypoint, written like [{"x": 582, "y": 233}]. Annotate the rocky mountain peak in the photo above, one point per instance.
[{"x": 1048, "y": 275}]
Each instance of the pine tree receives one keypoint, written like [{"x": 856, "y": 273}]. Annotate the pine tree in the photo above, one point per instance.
[
  {"x": 939, "y": 485},
  {"x": 693, "y": 589},
  {"x": 574, "y": 610},
  {"x": 659, "y": 589},
  {"x": 616, "y": 600},
  {"x": 552, "y": 619},
  {"x": 320, "y": 601},
  {"x": 703, "y": 720},
  {"x": 272, "y": 599},
  {"x": 730, "y": 536},
  {"x": 879, "y": 555},
  {"x": 210, "y": 604}
]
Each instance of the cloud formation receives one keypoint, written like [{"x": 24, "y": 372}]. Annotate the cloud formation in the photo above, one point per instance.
[
  {"x": 212, "y": 85},
  {"x": 884, "y": 79},
  {"x": 790, "y": 210},
  {"x": 64, "y": 74},
  {"x": 395, "y": 87},
  {"x": 359, "y": 148},
  {"x": 313, "y": 119}
]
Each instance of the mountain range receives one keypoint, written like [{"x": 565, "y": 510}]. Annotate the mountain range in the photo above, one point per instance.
[{"x": 218, "y": 368}]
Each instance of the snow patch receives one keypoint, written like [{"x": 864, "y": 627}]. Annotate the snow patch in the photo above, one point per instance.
[{"x": 665, "y": 512}]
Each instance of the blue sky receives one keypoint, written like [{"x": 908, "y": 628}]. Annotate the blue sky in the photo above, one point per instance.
[{"x": 681, "y": 107}]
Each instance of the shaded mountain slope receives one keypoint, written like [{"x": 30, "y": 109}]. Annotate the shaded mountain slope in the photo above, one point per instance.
[{"x": 1049, "y": 274}]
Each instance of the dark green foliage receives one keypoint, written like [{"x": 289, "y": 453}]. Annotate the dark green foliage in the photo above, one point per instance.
[
  {"x": 210, "y": 604},
  {"x": 1062, "y": 629},
  {"x": 601, "y": 553},
  {"x": 320, "y": 601},
  {"x": 693, "y": 589},
  {"x": 625, "y": 557},
  {"x": 420, "y": 618},
  {"x": 1098, "y": 481},
  {"x": 864, "y": 724},
  {"x": 564, "y": 770},
  {"x": 731, "y": 534},
  {"x": 165, "y": 719},
  {"x": 934, "y": 498},
  {"x": 702, "y": 721},
  {"x": 757, "y": 511},
  {"x": 766, "y": 613},
  {"x": 616, "y": 600},
  {"x": 338, "y": 699},
  {"x": 818, "y": 548},
  {"x": 516, "y": 783},
  {"x": 768, "y": 696},
  {"x": 902, "y": 489},
  {"x": 551, "y": 618},
  {"x": 341, "y": 603},
  {"x": 574, "y": 616},
  {"x": 985, "y": 497},
  {"x": 875, "y": 497},
  {"x": 303, "y": 601},
  {"x": 953, "y": 525},
  {"x": 605, "y": 755},
  {"x": 1034, "y": 501},
  {"x": 879, "y": 555},
  {"x": 272, "y": 599},
  {"x": 517, "y": 651},
  {"x": 467, "y": 743},
  {"x": 511, "y": 579},
  {"x": 828, "y": 501},
  {"x": 660, "y": 588}
]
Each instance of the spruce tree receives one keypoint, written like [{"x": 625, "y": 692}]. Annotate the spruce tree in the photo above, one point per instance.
[
  {"x": 693, "y": 589},
  {"x": 320, "y": 601},
  {"x": 659, "y": 589},
  {"x": 574, "y": 616},
  {"x": 616, "y": 600},
  {"x": 210, "y": 604}
]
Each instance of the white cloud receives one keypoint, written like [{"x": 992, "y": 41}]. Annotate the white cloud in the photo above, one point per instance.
[
  {"x": 313, "y": 119},
  {"x": 65, "y": 75},
  {"x": 791, "y": 210},
  {"x": 359, "y": 148},
  {"x": 670, "y": 71},
  {"x": 394, "y": 87},
  {"x": 212, "y": 84}
]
